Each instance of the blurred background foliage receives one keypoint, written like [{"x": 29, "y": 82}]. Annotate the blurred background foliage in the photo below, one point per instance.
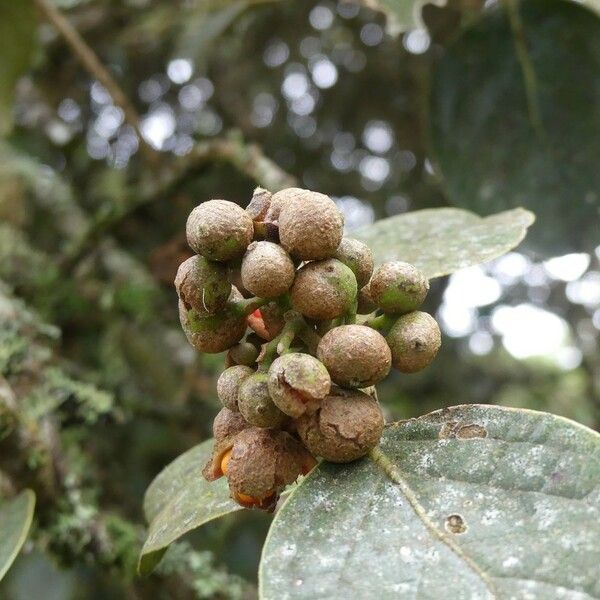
[{"x": 480, "y": 105}]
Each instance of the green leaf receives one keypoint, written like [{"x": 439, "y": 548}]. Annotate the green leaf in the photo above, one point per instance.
[
  {"x": 516, "y": 120},
  {"x": 440, "y": 241},
  {"x": 16, "y": 515},
  {"x": 17, "y": 36},
  {"x": 466, "y": 502},
  {"x": 402, "y": 15},
  {"x": 179, "y": 500}
]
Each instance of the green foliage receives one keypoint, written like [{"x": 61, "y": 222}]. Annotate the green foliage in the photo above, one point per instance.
[
  {"x": 459, "y": 503},
  {"x": 443, "y": 240},
  {"x": 516, "y": 119},
  {"x": 15, "y": 520},
  {"x": 17, "y": 36},
  {"x": 180, "y": 500}
]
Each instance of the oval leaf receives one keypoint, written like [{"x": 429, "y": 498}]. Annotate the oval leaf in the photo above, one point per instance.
[
  {"x": 16, "y": 515},
  {"x": 440, "y": 241},
  {"x": 466, "y": 502},
  {"x": 179, "y": 500},
  {"x": 516, "y": 120}
]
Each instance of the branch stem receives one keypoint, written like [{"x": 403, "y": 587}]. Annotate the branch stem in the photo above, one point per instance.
[
  {"x": 526, "y": 64},
  {"x": 94, "y": 66}
]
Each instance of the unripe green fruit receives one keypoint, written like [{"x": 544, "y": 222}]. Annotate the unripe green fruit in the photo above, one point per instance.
[
  {"x": 244, "y": 353},
  {"x": 213, "y": 333},
  {"x": 202, "y": 284},
  {"x": 228, "y": 385},
  {"x": 255, "y": 403},
  {"x": 297, "y": 383},
  {"x": 398, "y": 287},
  {"x": 347, "y": 426},
  {"x": 365, "y": 303},
  {"x": 358, "y": 257},
  {"x": 228, "y": 423},
  {"x": 414, "y": 340},
  {"x": 267, "y": 270},
  {"x": 262, "y": 463},
  {"x": 219, "y": 230},
  {"x": 356, "y": 356},
  {"x": 324, "y": 289},
  {"x": 311, "y": 227}
]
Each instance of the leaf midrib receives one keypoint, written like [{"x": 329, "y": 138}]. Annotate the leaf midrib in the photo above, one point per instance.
[{"x": 383, "y": 461}]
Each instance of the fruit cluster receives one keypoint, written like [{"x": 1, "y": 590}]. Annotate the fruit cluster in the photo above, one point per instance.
[{"x": 309, "y": 327}]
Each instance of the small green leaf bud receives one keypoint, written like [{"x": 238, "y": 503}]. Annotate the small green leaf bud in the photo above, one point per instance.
[
  {"x": 202, "y": 284},
  {"x": 356, "y": 356},
  {"x": 414, "y": 340},
  {"x": 297, "y": 383},
  {"x": 219, "y": 230},
  {"x": 267, "y": 270},
  {"x": 358, "y": 257},
  {"x": 324, "y": 289},
  {"x": 398, "y": 287},
  {"x": 255, "y": 402}
]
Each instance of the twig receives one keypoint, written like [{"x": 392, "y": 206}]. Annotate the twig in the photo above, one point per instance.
[
  {"x": 529, "y": 76},
  {"x": 95, "y": 67}
]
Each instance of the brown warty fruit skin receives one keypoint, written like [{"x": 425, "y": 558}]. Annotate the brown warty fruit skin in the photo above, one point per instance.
[
  {"x": 398, "y": 287},
  {"x": 259, "y": 205},
  {"x": 356, "y": 356},
  {"x": 255, "y": 403},
  {"x": 228, "y": 385},
  {"x": 297, "y": 383},
  {"x": 414, "y": 340},
  {"x": 281, "y": 199},
  {"x": 358, "y": 257},
  {"x": 213, "y": 333},
  {"x": 324, "y": 289},
  {"x": 311, "y": 227},
  {"x": 202, "y": 284},
  {"x": 262, "y": 462},
  {"x": 267, "y": 270},
  {"x": 348, "y": 426},
  {"x": 227, "y": 423},
  {"x": 219, "y": 230}
]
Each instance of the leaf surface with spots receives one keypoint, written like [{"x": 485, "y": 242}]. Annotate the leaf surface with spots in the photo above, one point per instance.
[
  {"x": 440, "y": 241},
  {"x": 466, "y": 502}
]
